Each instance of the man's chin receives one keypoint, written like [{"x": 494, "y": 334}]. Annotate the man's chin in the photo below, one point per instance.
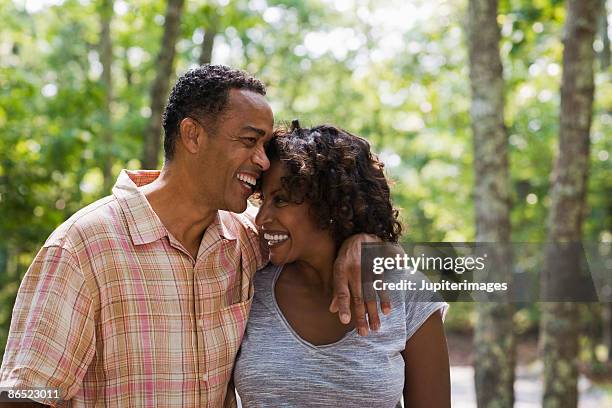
[{"x": 238, "y": 208}]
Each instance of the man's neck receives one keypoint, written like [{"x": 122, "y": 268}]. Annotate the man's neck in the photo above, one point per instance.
[{"x": 179, "y": 207}]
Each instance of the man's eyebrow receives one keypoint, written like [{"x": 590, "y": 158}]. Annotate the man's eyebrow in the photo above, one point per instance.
[{"x": 260, "y": 132}]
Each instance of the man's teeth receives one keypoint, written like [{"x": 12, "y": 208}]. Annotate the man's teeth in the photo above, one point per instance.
[
  {"x": 247, "y": 179},
  {"x": 275, "y": 238}
]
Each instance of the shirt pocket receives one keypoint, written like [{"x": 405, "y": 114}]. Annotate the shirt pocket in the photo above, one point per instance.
[{"x": 222, "y": 331}]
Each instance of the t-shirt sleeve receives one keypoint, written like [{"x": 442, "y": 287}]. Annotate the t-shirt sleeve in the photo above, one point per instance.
[
  {"x": 421, "y": 304},
  {"x": 51, "y": 340}
]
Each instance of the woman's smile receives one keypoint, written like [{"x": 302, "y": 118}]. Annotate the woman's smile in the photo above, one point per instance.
[{"x": 275, "y": 238}]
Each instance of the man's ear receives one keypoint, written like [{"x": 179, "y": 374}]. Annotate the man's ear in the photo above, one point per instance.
[{"x": 192, "y": 135}]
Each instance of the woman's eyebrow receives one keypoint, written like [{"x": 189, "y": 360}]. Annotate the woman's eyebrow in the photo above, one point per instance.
[{"x": 271, "y": 193}]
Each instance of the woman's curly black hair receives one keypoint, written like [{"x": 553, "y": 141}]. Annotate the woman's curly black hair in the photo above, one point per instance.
[{"x": 339, "y": 176}]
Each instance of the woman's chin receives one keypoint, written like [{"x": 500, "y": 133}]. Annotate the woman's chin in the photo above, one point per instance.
[
  {"x": 279, "y": 259},
  {"x": 276, "y": 261},
  {"x": 279, "y": 253}
]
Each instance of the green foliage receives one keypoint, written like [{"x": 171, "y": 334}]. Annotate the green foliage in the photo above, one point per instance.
[{"x": 392, "y": 71}]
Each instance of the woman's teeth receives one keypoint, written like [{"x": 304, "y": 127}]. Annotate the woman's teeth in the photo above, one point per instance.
[{"x": 275, "y": 239}]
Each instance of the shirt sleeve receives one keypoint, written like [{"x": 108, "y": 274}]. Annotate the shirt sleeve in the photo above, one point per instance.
[
  {"x": 51, "y": 340},
  {"x": 421, "y": 304}
]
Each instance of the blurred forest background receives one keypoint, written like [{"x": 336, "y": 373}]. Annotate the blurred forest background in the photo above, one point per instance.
[{"x": 83, "y": 84}]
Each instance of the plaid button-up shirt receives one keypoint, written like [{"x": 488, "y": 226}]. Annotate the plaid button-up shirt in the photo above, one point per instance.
[{"x": 114, "y": 312}]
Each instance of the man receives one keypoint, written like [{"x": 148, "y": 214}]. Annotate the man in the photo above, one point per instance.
[{"x": 141, "y": 298}]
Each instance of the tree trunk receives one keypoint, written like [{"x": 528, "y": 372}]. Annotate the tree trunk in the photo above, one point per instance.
[
  {"x": 606, "y": 322},
  {"x": 493, "y": 336},
  {"x": 161, "y": 84},
  {"x": 127, "y": 69},
  {"x": 604, "y": 63},
  {"x": 106, "y": 57},
  {"x": 209, "y": 39},
  {"x": 604, "y": 55},
  {"x": 559, "y": 322}
]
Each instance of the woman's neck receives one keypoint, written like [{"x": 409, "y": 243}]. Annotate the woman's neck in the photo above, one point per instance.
[{"x": 318, "y": 269}]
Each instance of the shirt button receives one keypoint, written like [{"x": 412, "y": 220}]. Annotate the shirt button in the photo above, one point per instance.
[
  {"x": 204, "y": 376},
  {"x": 201, "y": 323}
]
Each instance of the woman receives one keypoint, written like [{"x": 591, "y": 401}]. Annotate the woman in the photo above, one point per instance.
[{"x": 324, "y": 185}]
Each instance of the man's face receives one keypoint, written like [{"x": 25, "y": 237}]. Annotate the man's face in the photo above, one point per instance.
[{"x": 233, "y": 158}]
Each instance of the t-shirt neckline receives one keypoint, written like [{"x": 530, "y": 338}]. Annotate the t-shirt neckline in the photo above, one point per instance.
[{"x": 292, "y": 332}]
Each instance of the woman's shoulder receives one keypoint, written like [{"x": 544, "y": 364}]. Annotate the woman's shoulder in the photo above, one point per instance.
[
  {"x": 265, "y": 276},
  {"x": 267, "y": 268},
  {"x": 410, "y": 295}
]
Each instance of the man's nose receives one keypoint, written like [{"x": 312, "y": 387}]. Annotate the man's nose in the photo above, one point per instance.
[{"x": 261, "y": 159}]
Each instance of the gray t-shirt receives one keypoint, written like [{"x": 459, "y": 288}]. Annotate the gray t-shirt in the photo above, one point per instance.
[{"x": 277, "y": 368}]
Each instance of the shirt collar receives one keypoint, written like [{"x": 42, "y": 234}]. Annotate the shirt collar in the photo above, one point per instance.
[
  {"x": 226, "y": 225},
  {"x": 144, "y": 225}
]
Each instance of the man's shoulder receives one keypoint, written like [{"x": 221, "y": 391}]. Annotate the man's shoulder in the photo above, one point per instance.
[
  {"x": 239, "y": 224},
  {"x": 244, "y": 230},
  {"x": 98, "y": 217}
]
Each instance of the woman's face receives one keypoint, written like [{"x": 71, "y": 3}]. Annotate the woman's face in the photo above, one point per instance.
[{"x": 289, "y": 229}]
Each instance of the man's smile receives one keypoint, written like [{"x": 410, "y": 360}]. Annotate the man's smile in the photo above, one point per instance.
[{"x": 248, "y": 181}]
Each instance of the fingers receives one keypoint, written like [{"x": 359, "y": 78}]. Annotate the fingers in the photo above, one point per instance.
[
  {"x": 371, "y": 303},
  {"x": 333, "y": 307},
  {"x": 341, "y": 299},
  {"x": 373, "y": 318},
  {"x": 348, "y": 287},
  {"x": 372, "y": 298},
  {"x": 385, "y": 302},
  {"x": 344, "y": 310},
  {"x": 359, "y": 306}
]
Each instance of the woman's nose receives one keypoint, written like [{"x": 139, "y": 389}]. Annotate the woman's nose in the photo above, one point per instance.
[{"x": 263, "y": 216}]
